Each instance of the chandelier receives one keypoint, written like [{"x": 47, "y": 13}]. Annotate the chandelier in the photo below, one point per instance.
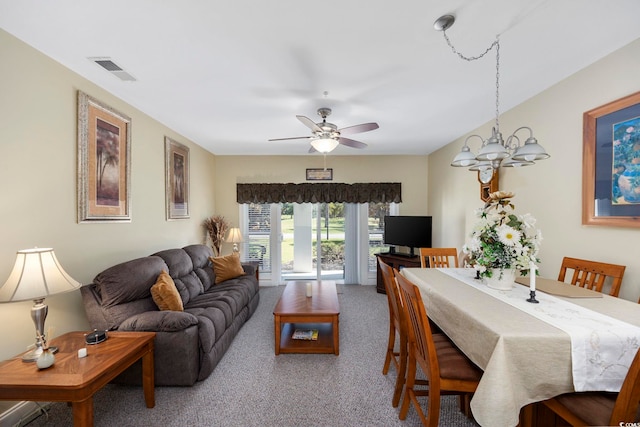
[{"x": 494, "y": 151}]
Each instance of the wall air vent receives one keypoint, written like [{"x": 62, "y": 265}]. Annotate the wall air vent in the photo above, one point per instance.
[{"x": 113, "y": 68}]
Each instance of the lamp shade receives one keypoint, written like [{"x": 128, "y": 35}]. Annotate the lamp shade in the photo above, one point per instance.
[
  {"x": 36, "y": 274},
  {"x": 324, "y": 145},
  {"x": 234, "y": 235}
]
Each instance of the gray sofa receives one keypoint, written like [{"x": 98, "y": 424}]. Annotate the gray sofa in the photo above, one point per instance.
[{"x": 188, "y": 344}]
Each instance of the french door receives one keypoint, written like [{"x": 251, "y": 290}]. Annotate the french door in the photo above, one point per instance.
[{"x": 286, "y": 239}]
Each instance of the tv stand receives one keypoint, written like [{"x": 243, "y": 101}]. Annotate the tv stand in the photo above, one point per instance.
[{"x": 395, "y": 260}]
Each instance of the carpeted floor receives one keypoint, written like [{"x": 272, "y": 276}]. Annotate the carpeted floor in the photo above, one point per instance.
[{"x": 253, "y": 387}]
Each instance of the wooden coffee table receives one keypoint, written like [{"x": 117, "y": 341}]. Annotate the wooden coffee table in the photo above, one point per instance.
[
  {"x": 75, "y": 380},
  {"x": 295, "y": 310}
]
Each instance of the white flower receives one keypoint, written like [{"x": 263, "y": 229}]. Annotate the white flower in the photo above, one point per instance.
[
  {"x": 508, "y": 235},
  {"x": 501, "y": 239}
]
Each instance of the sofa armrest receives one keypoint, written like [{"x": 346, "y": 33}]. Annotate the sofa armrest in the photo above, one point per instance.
[
  {"x": 250, "y": 268},
  {"x": 159, "y": 321}
]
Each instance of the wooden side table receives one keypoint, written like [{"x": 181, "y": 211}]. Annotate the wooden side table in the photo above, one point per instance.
[{"x": 73, "y": 379}]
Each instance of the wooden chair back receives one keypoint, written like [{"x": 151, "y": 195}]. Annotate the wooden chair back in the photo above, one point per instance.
[
  {"x": 573, "y": 407},
  {"x": 592, "y": 274},
  {"x": 419, "y": 330},
  {"x": 393, "y": 298},
  {"x": 628, "y": 401},
  {"x": 438, "y": 257},
  {"x": 463, "y": 376},
  {"x": 397, "y": 325}
]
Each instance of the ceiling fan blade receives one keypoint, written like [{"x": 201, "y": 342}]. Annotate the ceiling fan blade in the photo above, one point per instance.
[
  {"x": 309, "y": 123},
  {"x": 312, "y": 149},
  {"x": 351, "y": 143},
  {"x": 364, "y": 127},
  {"x": 293, "y": 137}
]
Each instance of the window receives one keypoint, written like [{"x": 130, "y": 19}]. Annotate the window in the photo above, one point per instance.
[{"x": 258, "y": 245}]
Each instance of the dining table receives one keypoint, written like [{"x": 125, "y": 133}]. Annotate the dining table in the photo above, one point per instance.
[{"x": 529, "y": 352}]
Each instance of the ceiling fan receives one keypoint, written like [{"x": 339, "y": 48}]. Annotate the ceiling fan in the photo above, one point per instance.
[{"x": 326, "y": 136}]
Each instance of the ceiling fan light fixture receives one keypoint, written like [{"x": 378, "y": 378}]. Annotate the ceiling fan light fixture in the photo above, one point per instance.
[{"x": 324, "y": 145}]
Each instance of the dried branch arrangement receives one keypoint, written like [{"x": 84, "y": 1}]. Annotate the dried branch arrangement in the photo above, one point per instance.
[{"x": 217, "y": 227}]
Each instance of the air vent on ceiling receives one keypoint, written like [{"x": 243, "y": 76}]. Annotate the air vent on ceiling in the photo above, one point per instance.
[{"x": 114, "y": 69}]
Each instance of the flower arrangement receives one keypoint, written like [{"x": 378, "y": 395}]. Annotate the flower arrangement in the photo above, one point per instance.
[
  {"x": 217, "y": 227},
  {"x": 501, "y": 239}
]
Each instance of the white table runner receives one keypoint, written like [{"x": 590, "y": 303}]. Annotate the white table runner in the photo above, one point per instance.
[{"x": 602, "y": 347}]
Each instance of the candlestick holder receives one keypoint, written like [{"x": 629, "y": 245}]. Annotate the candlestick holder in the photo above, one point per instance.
[{"x": 532, "y": 297}]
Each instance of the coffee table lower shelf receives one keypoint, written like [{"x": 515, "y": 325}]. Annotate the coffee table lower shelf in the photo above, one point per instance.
[{"x": 324, "y": 343}]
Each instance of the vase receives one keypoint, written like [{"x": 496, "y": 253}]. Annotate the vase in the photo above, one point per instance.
[
  {"x": 45, "y": 359},
  {"x": 501, "y": 279},
  {"x": 628, "y": 185}
]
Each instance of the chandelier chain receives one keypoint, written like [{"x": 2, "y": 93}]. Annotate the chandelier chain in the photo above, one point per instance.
[
  {"x": 468, "y": 58},
  {"x": 495, "y": 44}
]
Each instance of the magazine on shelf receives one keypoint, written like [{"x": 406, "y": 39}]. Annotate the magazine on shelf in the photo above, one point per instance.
[{"x": 305, "y": 334}]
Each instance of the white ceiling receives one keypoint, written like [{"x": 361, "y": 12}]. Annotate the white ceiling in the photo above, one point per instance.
[{"x": 229, "y": 75}]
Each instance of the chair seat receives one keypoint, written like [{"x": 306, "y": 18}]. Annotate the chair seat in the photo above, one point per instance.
[
  {"x": 454, "y": 365},
  {"x": 594, "y": 408}
]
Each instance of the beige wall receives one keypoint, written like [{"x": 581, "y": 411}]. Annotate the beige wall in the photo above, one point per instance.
[
  {"x": 411, "y": 171},
  {"x": 38, "y": 176},
  {"x": 550, "y": 190}
]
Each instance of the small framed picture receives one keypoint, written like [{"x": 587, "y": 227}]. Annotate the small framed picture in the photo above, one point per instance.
[
  {"x": 320, "y": 174},
  {"x": 177, "y": 179}
]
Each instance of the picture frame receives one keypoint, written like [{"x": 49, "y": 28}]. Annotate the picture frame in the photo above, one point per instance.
[
  {"x": 176, "y": 179},
  {"x": 611, "y": 164},
  {"x": 320, "y": 174},
  {"x": 104, "y": 162}
]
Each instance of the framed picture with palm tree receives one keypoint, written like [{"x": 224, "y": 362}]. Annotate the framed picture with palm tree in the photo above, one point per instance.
[
  {"x": 104, "y": 162},
  {"x": 177, "y": 179}
]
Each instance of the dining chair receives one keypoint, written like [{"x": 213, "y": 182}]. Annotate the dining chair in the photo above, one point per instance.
[
  {"x": 602, "y": 408},
  {"x": 446, "y": 368},
  {"x": 438, "y": 258},
  {"x": 592, "y": 274},
  {"x": 396, "y": 325}
]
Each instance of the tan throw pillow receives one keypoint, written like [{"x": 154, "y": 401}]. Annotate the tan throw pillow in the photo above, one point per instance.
[
  {"x": 165, "y": 294},
  {"x": 227, "y": 267}
]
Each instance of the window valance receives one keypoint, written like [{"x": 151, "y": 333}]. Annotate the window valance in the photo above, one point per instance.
[{"x": 373, "y": 192}]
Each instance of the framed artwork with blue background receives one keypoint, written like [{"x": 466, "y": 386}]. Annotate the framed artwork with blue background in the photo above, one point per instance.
[{"x": 611, "y": 164}]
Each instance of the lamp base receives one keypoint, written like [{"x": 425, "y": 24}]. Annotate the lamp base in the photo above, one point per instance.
[{"x": 32, "y": 356}]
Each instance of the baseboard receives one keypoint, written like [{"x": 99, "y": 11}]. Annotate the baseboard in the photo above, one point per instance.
[{"x": 21, "y": 413}]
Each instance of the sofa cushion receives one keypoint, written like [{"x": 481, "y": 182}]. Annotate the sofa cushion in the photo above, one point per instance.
[
  {"x": 181, "y": 271},
  {"x": 227, "y": 267},
  {"x": 128, "y": 281},
  {"x": 200, "y": 255},
  {"x": 165, "y": 294}
]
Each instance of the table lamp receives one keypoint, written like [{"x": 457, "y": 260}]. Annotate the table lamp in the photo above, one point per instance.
[
  {"x": 234, "y": 237},
  {"x": 36, "y": 275}
]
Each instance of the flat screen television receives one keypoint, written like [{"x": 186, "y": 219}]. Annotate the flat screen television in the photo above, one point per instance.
[{"x": 409, "y": 231}]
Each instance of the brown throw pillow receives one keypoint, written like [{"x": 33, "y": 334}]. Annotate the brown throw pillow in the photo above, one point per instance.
[
  {"x": 165, "y": 294},
  {"x": 227, "y": 267}
]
